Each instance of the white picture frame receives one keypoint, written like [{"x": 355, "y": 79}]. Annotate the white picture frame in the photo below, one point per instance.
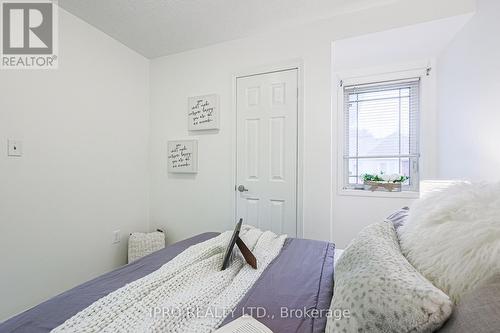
[
  {"x": 182, "y": 156},
  {"x": 203, "y": 112}
]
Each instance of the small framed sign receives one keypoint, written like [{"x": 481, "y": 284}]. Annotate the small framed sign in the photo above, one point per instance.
[
  {"x": 203, "y": 112},
  {"x": 182, "y": 156}
]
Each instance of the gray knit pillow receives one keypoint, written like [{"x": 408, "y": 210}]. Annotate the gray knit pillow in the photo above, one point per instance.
[
  {"x": 378, "y": 290},
  {"x": 399, "y": 217},
  {"x": 478, "y": 311}
]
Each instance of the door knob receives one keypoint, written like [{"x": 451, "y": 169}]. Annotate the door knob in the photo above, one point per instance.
[{"x": 242, "y": 188}]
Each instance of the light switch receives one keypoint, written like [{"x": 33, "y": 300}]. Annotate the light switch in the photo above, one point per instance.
[
  {"x": 15, "y": 148},
  {"x": 116, "y": 237}
]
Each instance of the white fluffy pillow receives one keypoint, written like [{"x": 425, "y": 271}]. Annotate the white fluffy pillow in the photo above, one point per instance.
[{"x": 453, "y": 237}]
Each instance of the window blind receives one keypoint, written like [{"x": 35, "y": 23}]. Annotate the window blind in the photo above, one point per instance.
[{"x": 381, "y": 136}]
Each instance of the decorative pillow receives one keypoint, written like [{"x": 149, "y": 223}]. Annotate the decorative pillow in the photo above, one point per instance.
[
  {"x": 377, "y": 289},
  {"x": 453, "y": 237},
  {"x": 141, "y": 244},
  {"x": 398, "y": 218},
  {"x": 478, "y": 311}
]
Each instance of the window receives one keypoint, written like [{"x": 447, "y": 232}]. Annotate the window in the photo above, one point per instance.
[{"x": 381, "y": 131}]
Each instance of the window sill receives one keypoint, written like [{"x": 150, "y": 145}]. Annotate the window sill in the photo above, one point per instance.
[{"x": 379, "y": 194}]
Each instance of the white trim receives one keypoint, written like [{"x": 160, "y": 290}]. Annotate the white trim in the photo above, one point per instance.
[
  {"x": 407, "y": 75},
  {"x": 379, "y": 194},
  {"x": 393, "y": 72},
  {"x": 297, "y": 64},
  {"x": 374, "y": 75},
  {"x": 376, "y": 84}
]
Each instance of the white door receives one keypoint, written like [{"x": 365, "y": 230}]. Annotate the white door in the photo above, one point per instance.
[{"x": 266, "y": 186}]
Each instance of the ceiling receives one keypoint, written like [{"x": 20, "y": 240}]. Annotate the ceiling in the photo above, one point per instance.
[{"x": 160, "y": 27}]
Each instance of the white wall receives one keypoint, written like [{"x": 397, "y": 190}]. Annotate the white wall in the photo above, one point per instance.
[
  {"x": 186, "y": 205},
  {"x": 407, "y": 48},
  {"x": 84, "y": 172},
  {"x": 469, "y": 112}
]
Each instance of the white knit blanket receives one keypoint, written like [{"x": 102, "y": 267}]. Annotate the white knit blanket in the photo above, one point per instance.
[{"x": 188, "y": 294}]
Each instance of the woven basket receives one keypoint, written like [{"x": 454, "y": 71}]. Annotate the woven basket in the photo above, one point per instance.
[{"x": 383, "y": 186}]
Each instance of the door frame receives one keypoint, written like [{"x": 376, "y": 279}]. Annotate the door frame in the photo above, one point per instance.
[{"x": 297, "y": 64}]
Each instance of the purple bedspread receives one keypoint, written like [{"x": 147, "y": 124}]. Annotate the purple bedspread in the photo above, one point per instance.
[
  {"x": 294, "y": 293},
  {"x": 300, "y": 278}
]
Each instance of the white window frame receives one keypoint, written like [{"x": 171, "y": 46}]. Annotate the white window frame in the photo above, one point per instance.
[{"x": 349, "y": 79}]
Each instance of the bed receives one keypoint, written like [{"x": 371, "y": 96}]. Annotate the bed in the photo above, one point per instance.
[{"x": 299, "y": 279}]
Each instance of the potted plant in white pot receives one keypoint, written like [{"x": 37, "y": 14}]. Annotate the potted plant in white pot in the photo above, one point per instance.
[{"x": 384, "y": 182}]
